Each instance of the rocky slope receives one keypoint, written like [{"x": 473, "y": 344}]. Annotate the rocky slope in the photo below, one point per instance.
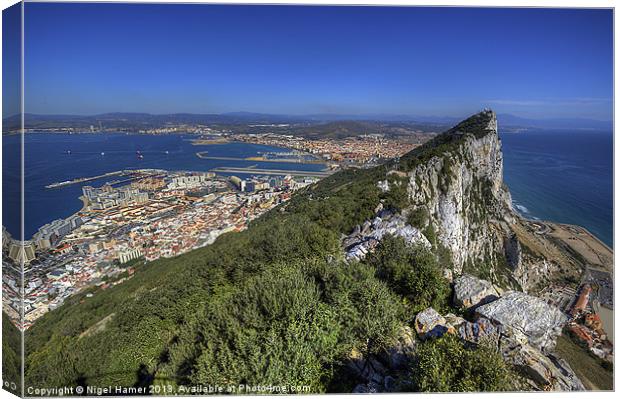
[{"x": 456, "y": 198}]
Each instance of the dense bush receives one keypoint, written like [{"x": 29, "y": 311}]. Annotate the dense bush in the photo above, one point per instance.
[
  {"x": 411, "y": 272},
  {"x": 445, "y": 365}
]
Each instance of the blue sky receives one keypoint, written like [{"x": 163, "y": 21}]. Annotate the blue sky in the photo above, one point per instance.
[{"x": 94, "y": 58}]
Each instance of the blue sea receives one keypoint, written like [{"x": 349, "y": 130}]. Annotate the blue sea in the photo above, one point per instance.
[
  {"x": 563, "y": 176},
  {"x": 47, "y": 161}
]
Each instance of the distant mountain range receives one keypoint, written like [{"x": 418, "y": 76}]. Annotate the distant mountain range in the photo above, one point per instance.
[{"x": 145, "y": 120}]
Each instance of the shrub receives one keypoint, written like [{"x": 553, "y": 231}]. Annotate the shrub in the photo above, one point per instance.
[
  {"x": 411, "y": 272},
  {"x": 446, "y": 365}
]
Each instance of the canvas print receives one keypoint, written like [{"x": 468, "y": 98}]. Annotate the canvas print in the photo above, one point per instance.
[{"x": 206, "y": 199}]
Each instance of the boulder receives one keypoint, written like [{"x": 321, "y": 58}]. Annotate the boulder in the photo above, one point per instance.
[
  {"x": 454, "y": 321},
  {"x": 470, "y": 291},
  {"x": 430, "y": 324},
  {"x": 526, "y": 317},
  {"x": 479, "y": 331}
]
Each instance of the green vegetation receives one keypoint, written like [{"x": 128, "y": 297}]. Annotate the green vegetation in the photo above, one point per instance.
[
  {"x": 11, "y": 355},
  {"x": 287, "y": 325},
  {"x": 446, "y": 365},
  {"x": 270, "y": 305},
  {"x": 397, "y": 198},
  {"x": 418, "y": 218},
  {"x": 412, "y": 273},
  {"x": 591, "y": 371}
]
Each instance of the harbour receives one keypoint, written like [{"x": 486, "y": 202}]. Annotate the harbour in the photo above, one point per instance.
[{"x": 55, "y": 179}]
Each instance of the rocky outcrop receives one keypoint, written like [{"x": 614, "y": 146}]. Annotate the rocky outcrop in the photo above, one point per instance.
[
  {"x": 366, "y": 237},
  {"x": 455, "y": 182},
  {"x": 526, "y": 318},
  {"x": 545, "y": 372},
  {"x": 456, "y": 200},
  {"x": 470, "y": 291}
]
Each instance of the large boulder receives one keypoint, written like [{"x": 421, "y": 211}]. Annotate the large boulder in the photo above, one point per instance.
[
  {"x": 470, "y": 291},
  {"x": 526, "y": 317},
  {"x": 430, "y": 324}
]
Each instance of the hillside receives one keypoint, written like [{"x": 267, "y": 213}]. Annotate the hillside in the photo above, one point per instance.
[{"x": 327, "y": 290}]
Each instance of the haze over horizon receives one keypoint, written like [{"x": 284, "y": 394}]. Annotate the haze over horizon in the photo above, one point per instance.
[{"x": 300, "y": 60}]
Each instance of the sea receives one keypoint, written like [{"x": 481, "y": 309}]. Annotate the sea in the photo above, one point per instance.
[
  {"x": 563, "y": 176},
  {"x": 558, "y": 175}
]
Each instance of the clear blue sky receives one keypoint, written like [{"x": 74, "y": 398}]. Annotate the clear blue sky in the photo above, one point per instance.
[{"x": 94, "y": 58}]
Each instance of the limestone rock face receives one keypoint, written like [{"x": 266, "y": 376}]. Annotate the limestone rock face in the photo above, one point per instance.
[
  {"x": 462, "y": 190},
  {"x": 470, "y": 291},
  {"x": 526, "y": 317}
]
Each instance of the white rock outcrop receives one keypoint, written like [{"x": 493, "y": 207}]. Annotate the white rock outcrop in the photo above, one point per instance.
[
  {"x": 366, "y": 237},
  {"x": 526, "y": 318}
]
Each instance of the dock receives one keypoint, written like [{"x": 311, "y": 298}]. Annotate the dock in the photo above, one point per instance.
[
  {"x": 85, "y": 179},
  {"x": 133, "y": 173},
  {"x": 263, "y": 158},
  {"x": 275, "y": 172}
]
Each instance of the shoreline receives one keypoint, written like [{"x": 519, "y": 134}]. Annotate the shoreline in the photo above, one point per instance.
[{"x": 567, "y": 225}]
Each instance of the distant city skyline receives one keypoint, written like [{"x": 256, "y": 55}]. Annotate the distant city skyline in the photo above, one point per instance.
[{"x": 87, "y": 59}]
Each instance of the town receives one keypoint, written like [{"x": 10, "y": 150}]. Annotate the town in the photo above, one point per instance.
[
  {"x": 367, "y": 149},
  {"x": 160, "y": 214}
]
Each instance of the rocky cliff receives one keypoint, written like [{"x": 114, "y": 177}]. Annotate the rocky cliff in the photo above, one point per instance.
[{"x": 457, "y": 197}]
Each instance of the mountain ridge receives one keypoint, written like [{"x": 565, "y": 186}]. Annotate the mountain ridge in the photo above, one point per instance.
[{"x": 508, "y": 120}]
